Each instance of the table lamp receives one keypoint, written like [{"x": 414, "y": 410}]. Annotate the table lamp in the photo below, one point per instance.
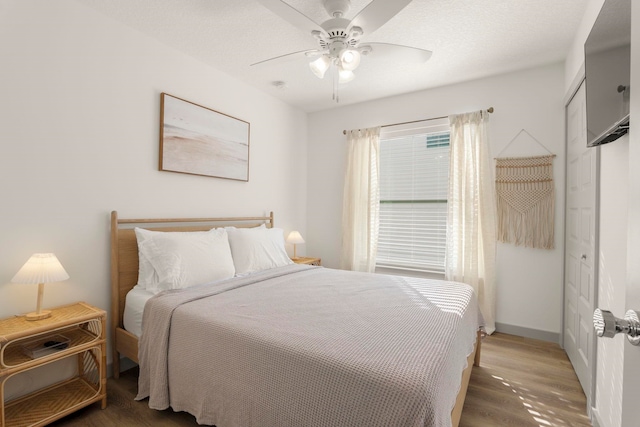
[
  {"x": 40, "y": 268},
  {"x": 294, "y": 237}
]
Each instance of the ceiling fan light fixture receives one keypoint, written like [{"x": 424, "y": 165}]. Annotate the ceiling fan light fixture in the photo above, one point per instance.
[
  {"x": 350, "y": 59},
  {"x": 345, "y": 76},
  {"x": 320, "y": 66}
]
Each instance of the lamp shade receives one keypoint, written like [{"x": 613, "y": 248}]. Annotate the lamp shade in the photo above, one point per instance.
[
  {"x": 41, "y": 268},
  {"x": 345, "y": 76},
  {"x": 295, "y": 238},
  {"x": 320, "y": 66},
  {"x": 349, "y": 59}
]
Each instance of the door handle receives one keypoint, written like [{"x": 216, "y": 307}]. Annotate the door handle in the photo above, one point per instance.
[{"x": 607, "y": 325}]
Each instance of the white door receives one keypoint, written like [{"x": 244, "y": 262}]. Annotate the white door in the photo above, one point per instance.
[
  {"x": 631, "y": 372},
  {"x": 580, "y": 244}
]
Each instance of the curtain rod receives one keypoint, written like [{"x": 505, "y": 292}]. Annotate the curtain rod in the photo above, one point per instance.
[{"x": 489, "y": 110}]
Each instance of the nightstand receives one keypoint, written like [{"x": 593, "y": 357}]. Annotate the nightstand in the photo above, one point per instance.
[
  {"x": 307, "y": 260},
  {"x": 73, "y": 331}
]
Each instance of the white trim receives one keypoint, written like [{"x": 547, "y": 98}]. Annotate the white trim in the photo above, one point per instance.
[
  {"x": 402, "y": 271},
  {"x": 575, "y": 85},
  {"x": 535, "y": 334},
  {"x": 595, "y": 417}
]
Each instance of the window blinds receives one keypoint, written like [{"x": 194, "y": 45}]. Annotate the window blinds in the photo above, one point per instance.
[{"x": 414, "y": 178}]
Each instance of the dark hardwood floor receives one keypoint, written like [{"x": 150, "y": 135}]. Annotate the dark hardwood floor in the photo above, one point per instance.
[{"x": 520, "y": 382}]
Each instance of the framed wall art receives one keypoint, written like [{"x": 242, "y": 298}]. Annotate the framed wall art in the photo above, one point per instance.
[{"x": 200, "y": 141}]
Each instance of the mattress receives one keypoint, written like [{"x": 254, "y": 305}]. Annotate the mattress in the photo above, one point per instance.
[
  {"x": 134, "y": 308},
  {"x": 135, "y": 301},
  {"x": 306, "y": 346}
]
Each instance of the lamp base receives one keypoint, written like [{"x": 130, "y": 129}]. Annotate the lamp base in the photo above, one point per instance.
[{"x": 38, "y": 316}]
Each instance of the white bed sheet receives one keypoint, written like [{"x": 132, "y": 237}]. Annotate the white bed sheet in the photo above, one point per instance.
[
  {"x": 133, "y": 309},
  {"x": 135, "y": 301}
]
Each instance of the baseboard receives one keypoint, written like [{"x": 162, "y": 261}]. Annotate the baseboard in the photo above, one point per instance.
[
  {"x": 595, "y": 418},
  {"x": 528, "y": 332},
  {"x": 124, "y": 365}
]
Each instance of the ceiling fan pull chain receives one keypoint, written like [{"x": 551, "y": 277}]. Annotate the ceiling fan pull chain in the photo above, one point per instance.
[{"x": 335, "y": 87}]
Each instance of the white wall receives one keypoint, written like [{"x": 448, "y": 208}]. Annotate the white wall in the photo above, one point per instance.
[
  {"x": 529, "y": 280},
  {"x": 80, "y": 98}
]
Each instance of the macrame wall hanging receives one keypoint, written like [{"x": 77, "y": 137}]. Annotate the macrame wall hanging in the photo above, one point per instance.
[{"x": 525, "y": 195}]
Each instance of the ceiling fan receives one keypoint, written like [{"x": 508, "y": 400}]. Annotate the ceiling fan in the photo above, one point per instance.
[{"x": 339, "y": 39}]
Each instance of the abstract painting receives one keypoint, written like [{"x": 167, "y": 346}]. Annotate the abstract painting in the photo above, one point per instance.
[{"x": 200, "y": 141}]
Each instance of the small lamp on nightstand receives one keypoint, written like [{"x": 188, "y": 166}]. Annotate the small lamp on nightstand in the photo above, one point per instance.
[
  {"x": 40, "y": 268},
  {"x": 294, "y": 238}
]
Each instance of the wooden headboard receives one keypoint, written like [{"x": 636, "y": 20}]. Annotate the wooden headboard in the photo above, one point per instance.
[{"x": 124, "y": 251}]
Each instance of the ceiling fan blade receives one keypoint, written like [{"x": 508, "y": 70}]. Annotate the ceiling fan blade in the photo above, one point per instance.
[
  {"x": 290, "y": 56},
  {"x": 399, "y": 52},
  {"x": 292, "y": 16},
  {"x": 376, "y": 14}
]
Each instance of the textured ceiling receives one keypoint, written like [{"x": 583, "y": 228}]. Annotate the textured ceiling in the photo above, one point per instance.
[{"x": 469, "y": 39}]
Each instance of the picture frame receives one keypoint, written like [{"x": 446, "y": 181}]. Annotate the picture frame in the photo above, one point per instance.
[{"x": 198, "y": 140}]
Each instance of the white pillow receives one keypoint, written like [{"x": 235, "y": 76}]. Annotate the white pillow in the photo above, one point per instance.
[
  {"x": 256, "y": 249},
  {"x": 147, "y": 276},
  {"x": 184, "y": 259}
]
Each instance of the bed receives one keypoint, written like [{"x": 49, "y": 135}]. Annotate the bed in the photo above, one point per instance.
[{"x": 294, "y": 345}]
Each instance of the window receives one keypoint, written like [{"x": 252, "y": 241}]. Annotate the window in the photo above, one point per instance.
[{"x": 414, "y": 181}]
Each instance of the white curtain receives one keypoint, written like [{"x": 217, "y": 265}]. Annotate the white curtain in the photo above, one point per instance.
[
  {"x": 361, "y": 200},
  {"x": 471, "y": 216}
]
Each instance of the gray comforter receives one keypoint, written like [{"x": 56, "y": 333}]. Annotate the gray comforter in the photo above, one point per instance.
[{"x": 301, "y": 346}]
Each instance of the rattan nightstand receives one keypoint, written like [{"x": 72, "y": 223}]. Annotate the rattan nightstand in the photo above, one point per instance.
[
  {"x": 307, "y": 260},
  {"x": 80, "y": 331}
]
